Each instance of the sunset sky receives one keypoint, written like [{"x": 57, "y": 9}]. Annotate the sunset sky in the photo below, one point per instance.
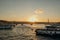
[{"x": 23, "y": 10}]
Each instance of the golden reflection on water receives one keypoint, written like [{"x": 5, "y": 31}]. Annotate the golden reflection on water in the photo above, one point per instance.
[{"x": 21, "y": 33}]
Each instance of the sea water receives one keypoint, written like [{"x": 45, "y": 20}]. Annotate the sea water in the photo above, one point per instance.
[{"x": 24, "y": 32}]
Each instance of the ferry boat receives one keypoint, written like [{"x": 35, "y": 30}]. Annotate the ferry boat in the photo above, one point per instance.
[
  {"x": 50, "y": 30},
  {"x": 7, "y": 26}
]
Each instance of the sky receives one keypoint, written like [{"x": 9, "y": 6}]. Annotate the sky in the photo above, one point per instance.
[{"x": 21, "y": 10}]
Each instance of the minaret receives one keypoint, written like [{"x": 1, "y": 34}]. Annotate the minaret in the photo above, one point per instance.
[{"x": 48, "y": 21}]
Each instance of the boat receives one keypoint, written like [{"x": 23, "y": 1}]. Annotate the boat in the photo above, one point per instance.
[
  {"x": 7, "y": 26},
  {"x": 50, "y": 30}
]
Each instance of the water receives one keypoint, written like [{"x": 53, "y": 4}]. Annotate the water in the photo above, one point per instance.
[{"x": 25, "y": 32}]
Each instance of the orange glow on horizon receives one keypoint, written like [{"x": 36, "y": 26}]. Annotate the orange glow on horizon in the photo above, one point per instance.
[{"x": 32, "y": 19}]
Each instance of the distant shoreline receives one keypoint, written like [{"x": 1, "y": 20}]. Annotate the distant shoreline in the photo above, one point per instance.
[{"x": 16, "y": 22}]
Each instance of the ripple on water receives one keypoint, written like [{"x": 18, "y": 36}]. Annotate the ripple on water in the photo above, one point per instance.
[{"x": 21, "y": 33}]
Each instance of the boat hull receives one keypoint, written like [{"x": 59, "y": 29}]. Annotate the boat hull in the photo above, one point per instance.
[
  {"x": 6, "y": 27},
  {"x": 50, "y": 33}
]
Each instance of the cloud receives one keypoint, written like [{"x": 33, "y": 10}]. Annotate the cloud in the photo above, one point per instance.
[{"x": 38, "y": 11}]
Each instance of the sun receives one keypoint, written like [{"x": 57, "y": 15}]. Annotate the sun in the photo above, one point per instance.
[{"x": 32, "y": 19}]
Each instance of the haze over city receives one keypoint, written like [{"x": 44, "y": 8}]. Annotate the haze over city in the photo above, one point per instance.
[{"x": 30, "y": 10}]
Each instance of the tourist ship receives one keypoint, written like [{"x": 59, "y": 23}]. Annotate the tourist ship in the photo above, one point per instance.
[{"x": 50, "y": 30}]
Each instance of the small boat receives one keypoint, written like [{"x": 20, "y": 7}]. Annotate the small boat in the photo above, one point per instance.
[
  {"x": 50, "y": 30},
  {"x": 7, "y": 26}
]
